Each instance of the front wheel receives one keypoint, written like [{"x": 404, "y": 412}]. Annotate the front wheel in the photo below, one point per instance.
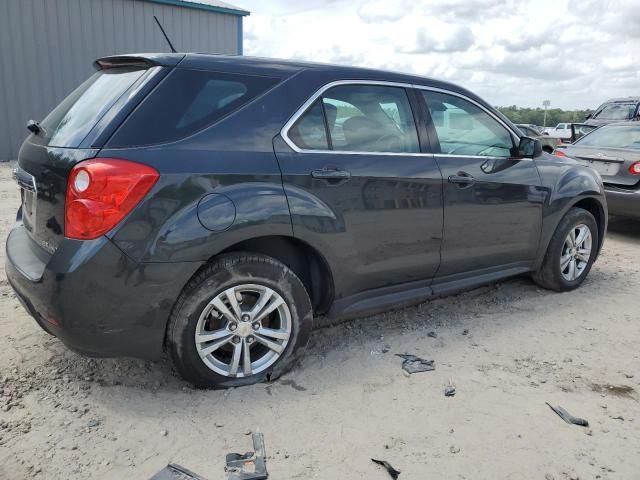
[
  {"x": 243, "y": 319},
  {"x": 571, "y": 252}
]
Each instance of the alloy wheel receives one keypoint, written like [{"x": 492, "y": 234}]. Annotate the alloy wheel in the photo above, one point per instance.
[
  {"x": 243, "y": 330},
  {"x": 576, "y": 252}
]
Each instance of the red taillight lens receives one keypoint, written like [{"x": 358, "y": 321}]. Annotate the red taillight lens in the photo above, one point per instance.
[
  {"x": 634, "y": 169},
  {"x": 101, "y": 192},
  {"x": 559, "y": 153}
]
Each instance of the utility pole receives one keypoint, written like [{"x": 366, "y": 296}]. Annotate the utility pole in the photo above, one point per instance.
[{"x": 546, "y": 103}]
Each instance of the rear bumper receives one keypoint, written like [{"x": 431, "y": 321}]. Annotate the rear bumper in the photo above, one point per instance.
[
  {"x": 623, "y": 202},
  {"x": 93, "y": 297}
]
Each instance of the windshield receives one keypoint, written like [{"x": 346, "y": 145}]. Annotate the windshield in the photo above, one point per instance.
[
  {"x": 617, "y": 136},
  {"x": 616, "y": 111},
  {"x": 70, "y": 122}
]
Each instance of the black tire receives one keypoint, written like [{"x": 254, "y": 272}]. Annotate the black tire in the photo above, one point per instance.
[
  {"x": 549, "y": 275},
  {"x": 227, "y": 271}
]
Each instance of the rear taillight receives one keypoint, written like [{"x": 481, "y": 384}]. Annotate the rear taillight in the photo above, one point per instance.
[
  {"x": 101, "y": 192},
  {"x": 559, "y": 153},
  {"x": 634, "y": 169}
]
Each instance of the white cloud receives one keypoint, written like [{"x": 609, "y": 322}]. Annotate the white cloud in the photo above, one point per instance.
[
  {"x": 381, "y": 11},
  {"x": 452, "y": 38},
  {"x": 576, "y": 54}
]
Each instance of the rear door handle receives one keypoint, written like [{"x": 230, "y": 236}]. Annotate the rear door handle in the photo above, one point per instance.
[
  {"x": 331, "y": 174},
  {"x": 462, "y": 178}
]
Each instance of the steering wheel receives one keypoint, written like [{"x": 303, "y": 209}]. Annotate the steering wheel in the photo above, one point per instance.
[
  {"x": 456, "y": 149},
  {"x": 489, "y": 147},
  {"x": 388, "y": 141}
]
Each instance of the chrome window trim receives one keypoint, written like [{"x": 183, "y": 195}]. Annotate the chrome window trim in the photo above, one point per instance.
[
  {"x": 464, "y": 97},
  {"x": 440, "y": 155},
  {"x": 311, "y": 100}
]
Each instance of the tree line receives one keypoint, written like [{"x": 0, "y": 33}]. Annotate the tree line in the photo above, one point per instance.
[{"x": 536, "y": 115}]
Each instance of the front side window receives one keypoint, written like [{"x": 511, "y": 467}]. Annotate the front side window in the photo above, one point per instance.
[
  {"x": 528, "y": 131},
  {"x": 465, "y": 129},
  {"x": 359, "y": 118}
]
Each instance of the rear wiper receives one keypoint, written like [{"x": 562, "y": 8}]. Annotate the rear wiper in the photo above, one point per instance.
[{"x": 34, "y": 127}]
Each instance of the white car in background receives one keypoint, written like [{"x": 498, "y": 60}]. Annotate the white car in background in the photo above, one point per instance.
[{"x": 562, "y": 130}]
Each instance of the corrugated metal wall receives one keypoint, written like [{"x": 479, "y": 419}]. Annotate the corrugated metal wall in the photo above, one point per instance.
[{"x": 47, "y": 48}]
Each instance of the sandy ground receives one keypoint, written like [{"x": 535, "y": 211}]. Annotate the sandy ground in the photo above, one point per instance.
[{"x": 64, "y": 416}]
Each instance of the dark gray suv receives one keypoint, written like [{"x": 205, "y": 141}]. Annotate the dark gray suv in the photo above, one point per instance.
[
  {"x": 213, "y": 206},
  {"x": 615, "y": 110}
]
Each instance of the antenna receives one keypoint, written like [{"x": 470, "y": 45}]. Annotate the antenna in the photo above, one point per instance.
[{"x": 165, "y": 35}]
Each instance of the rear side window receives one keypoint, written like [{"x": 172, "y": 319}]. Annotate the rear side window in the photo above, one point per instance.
[
  {"x": 70, "y": 122},
  {"x": 359, "y": 118},
  {"x": 186, "y": 102}
]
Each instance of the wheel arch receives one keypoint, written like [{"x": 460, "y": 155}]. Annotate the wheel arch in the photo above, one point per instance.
[
  {"x": 595, "y": 207},
  {"x": 306, "y": 261},
  {"x": 558, "y": 208}
]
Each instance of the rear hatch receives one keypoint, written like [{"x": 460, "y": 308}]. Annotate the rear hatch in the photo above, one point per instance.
[
  {"x": 611, "y": 150},
  {"x": 74, "y": 131}
]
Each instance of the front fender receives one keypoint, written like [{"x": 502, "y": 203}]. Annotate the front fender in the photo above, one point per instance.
[{"x": 567, "y": 183}]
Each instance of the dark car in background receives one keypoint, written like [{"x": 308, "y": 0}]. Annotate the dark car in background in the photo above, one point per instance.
[
  {"x": 213, "y": 206},
  {"x": 615, "y": 110},
  {"x": 614, "y": 152}
]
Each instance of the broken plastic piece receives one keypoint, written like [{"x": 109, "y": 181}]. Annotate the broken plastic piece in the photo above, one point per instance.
[
  {"x": 449, "y": 391},
  {"x": 251, "y": 465},
  {"x": 432, "y": 334},
  {"x": 393, "y": 473},
  {"x": 567, "y": 417},
  {"x": 413, "y": 364},
  {"x": 176, "y": 472}
]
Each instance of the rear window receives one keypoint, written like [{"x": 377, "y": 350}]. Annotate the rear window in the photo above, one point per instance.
[
  {"x": 618, "y": 136},
  {"x": 70, "y": 122},
  {"x": 186, "y": 102}
]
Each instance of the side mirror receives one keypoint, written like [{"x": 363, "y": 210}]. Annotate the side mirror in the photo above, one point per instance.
[
  {"x": 587, "y": 116},
  {"x": 529, "y": 148}
]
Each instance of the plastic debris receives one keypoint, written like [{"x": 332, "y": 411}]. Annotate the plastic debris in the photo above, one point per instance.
[
  {"x": 248, "y": 466},
  {"x": 567, "y": 417},
  {"x": 393, "y": 473},
  {"x": 432, "y": 334},
  {"x": 413, "y": 364},
  {"x": 449, "y": 391},
  {"x": 176, "y": 472}
]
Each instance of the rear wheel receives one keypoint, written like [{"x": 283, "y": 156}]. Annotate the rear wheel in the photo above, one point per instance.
[
  {"x": 242, "y": 320},
  {"x": 571, "y": 252}
]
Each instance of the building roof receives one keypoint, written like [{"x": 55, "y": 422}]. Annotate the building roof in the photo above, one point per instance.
[{"x": 207, "y": 5}]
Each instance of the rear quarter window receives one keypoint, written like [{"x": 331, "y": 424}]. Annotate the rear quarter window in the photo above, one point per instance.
[{"x": 188, "y": 101}]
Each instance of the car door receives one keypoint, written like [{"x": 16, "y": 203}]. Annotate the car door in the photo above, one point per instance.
[
  {"x": 359, "y": 188},
  {"x": 492, "y": 201}
]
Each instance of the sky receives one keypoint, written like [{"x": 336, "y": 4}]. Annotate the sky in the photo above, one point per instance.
[{"x": 574, "y": 53}]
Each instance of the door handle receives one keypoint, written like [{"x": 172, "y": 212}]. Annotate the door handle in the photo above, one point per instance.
[
  {"x": 462, "y": 179},
  {"x": 331, "y": 174}
]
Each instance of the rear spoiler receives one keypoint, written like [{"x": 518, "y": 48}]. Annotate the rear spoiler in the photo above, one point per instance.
[{"x": 143, "y": 60}]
